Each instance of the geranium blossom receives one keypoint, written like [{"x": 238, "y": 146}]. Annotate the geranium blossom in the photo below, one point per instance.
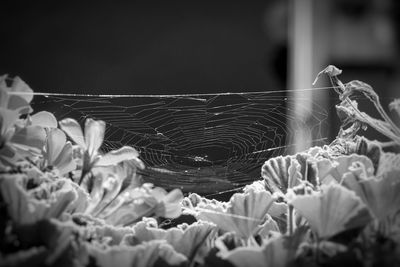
[{"x": 90, "y": 142}]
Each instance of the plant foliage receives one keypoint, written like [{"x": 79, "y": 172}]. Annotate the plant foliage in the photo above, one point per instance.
[{"x": 63, "y": 202}]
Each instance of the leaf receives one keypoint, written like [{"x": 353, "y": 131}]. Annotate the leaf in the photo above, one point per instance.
[
  {"x": 169, "y": 206},
  {"x": 29, "y": 257},
  {"x": 281, "y": 173},
  {"x": 116, "y": 156},
  {"x": 387, "y": 162},
  {"x": 25, "y": 209},
  {"x": 332, "y": 210},
  {"x": 107, "y": 234},
  {"x": 332, "y": 170},
  {"x": 187, "y": 241},
  {"x": 381, "y": 195},
  {"x": 273, "y": 253},
  {"x": 395, "y": 106},
  {"x": 72, "y": 128},
  {"x": 60, "y": 239},
  {"x": 44, "y": 119},
  {"x": 144, "y": 255},
  {"x": 244, "y": 215},
  {"x": 331, "y": 70}
]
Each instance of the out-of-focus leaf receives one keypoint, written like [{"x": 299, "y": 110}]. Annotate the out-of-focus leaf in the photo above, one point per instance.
[
  {"x": 144, "y": 255},
  {"x": 168, "y": 204},
  {"x": 381, "y": 195},
  {"x": 116, "y": 156},
  {"x": 60, "y": 239},
  {"x": 188, "y": 241},
  {"x": 332, "y": 210},
  {"x": 388, "y": 161},
  {"x": 105, "y": 234},
  {"x": 272, "y": 253},
  {"x": 368, "y": 148},
  {"x": 31, "y": 257},
  {"x": 72, "y": 128},
  {"x": 395, "y": 106},
  {"x": 244, "y": 214},
  {"x": 53, "y": 199},
  {"x": 332, "y": 170},
  {"x": 44, "y": 119}
]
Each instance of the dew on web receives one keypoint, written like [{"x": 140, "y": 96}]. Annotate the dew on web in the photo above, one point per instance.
[{"x": 204, "y": 143}]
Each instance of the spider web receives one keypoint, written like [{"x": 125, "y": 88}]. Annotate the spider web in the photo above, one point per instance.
[{"x": 204, "y": 143}]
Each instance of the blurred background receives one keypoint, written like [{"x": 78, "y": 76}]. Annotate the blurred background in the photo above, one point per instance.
[{"x": 174, "y": 47}]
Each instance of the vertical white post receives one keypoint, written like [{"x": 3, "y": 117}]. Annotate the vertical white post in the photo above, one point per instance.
[{"x": 301, "y": 72}]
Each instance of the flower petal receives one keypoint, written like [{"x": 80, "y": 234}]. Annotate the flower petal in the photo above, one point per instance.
[
  {"x": 7, "y": 120},
  {"x": 54, "y": 144},
  {"x": 72, "y": 128},
  {"x": 44, "y": 119},
  {"x": 19, "y": 86},
  {"x": 31, "y": 136},
  {"x": 94, "y": 135},
  {"x": 116, "y": 156},
  {"x": 65, "y": 161}
]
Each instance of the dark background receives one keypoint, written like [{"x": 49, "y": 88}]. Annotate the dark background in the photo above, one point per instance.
[{"x": 142, "y": 47}]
